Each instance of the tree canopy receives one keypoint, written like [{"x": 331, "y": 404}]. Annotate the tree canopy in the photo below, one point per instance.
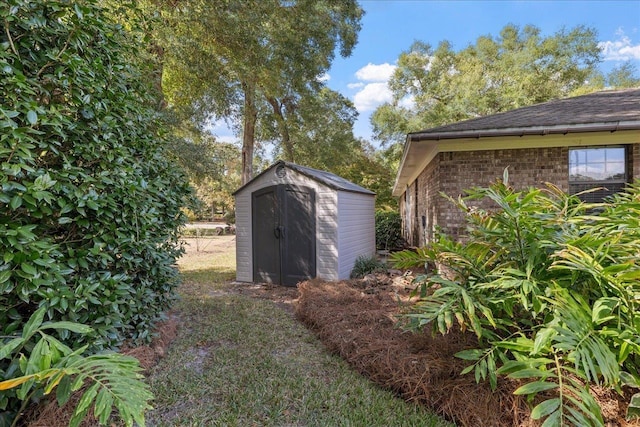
[
  {"x": 246, "y": 61},
  {"x": 520, "y": 67}
]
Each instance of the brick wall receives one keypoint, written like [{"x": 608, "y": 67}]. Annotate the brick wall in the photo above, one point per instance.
[
  {"x": 407, "y": 212},
  {"x": 454, "y": 172},
  {"x": 459, "y": 171},
  {"x": 428, "y": 200}
]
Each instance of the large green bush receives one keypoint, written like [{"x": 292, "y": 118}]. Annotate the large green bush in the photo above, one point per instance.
[
  {"x": 90, "y": 203},
  {"x": 550, "y": 286}
]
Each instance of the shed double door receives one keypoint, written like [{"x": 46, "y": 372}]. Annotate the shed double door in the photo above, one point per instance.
[{"x": 284, "y": 234}]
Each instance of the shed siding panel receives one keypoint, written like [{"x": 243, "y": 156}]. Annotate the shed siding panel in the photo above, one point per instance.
[
  {"x": 356, "y": 230},
  {"x": 326, "y": 224},
  {"x": 244, "y": 269},
  {"x": 326, "y": 231}
]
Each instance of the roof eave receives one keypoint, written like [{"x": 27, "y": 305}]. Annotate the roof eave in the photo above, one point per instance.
[
  {"x": 415, "y": 137},
  {"x": 536, "y": 130}
]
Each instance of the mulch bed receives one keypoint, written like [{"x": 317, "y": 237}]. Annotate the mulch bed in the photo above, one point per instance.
[{"x": 357, "y": 320}]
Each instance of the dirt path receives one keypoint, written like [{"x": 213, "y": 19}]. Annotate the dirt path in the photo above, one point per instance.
[{"x": 203, "y": 249}]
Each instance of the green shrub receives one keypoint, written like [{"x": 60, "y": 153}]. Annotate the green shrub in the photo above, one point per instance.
[
  {"x": 365, "y": 265},
  {"x": 550, "y": 289},
  {"x": 90, "y": 203},
  {"x": 389, "y": 230}
]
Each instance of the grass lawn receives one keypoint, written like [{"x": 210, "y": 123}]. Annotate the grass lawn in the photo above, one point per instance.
[{"x": 243, "y": 361}]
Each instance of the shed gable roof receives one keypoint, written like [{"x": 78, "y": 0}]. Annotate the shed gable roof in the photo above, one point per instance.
[
  {"x": 327, "y": 178},
  {"x": 605, "y": 111}
]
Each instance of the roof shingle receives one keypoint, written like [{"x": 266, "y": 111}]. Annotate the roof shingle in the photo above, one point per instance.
[{"x": 606, "y": 107}]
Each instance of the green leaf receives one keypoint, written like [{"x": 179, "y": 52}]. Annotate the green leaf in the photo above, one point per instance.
[
  {"x": 71, "y": 326},
  {"x": 630, "y": 275},
  {"x": 104, "y": 402},
  {"x": 83, "y": 405},
  {"x": 32, "y": 117},
  {"x": 545, "y": 408},
  {"x": 629, "y": 380},
  {"x": 33, "y": 323},
  {"x": 28, "y": 268},
  {"x": 634, "y": 407},
  {"x": 472, "y": 354},
  {"x": 532, "y": 373},
  {"x": 603, "y": 309},
  {"x": 542, "y": 340},
  {"x": 16, "y": 202},
  {"x": 64, "y": 220},
  {"x": 467, "y": 369},
  {"x": 553, "y": 420},
  {"x": 535, "y": 387},
  {"x": 8, "y": 348},
  {"x": 63, "y": 390},
  {"x": 5, "y": 275}
]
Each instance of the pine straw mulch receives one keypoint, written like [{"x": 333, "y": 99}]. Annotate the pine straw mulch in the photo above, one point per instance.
[{"x": 357, "y": 320}]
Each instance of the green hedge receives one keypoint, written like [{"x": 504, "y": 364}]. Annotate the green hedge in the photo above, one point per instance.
[{"x": 90, "y": 203}]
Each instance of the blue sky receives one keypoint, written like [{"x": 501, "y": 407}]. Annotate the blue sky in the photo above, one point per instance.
[{"x": 391, "y": 26}]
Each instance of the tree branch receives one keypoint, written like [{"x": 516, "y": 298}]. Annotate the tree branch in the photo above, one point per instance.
[{"x": 6, "y": 30}]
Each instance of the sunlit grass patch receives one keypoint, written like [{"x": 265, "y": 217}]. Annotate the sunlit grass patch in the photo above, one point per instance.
[{"x": 240, "y": 361}]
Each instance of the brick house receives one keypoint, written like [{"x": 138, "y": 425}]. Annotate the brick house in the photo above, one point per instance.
[{"x": 575, "y": 143}]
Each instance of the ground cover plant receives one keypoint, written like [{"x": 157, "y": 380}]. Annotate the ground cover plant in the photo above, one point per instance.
[
  {"x": 366, "y": 265},
  {"x": 241, "y": 358},
  {"x": 549, "y": 286},
  {"x": 90, "y": 202}
]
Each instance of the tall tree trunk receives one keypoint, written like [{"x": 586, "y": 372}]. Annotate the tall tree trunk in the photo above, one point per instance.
[
  {"x": 249, "y": 130},
  {"x": 283, "y": 129},
  {"x": 158, "y": 69}
]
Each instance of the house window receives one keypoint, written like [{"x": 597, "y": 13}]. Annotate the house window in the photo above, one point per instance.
[{"x": 604, "y": 167}]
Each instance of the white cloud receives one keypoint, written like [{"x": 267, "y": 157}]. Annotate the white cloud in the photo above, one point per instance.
[
  {"x": 372, "y": 86},
  {"x": 620, "y": 50},
  {"x": 371, "y": 96},
  {"x": 324, "y": 77},
  {"x": 375, "y": 72}
]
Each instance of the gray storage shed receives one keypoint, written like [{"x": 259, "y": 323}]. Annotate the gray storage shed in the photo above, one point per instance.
[{"x": 294, "y": 223}]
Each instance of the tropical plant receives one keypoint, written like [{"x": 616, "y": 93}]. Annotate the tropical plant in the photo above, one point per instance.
[
  {"x": 550, "y": 287},
  {"x": 111, "y": 380}
]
